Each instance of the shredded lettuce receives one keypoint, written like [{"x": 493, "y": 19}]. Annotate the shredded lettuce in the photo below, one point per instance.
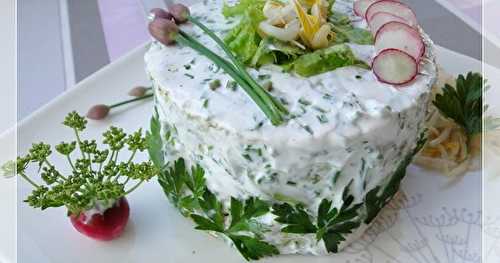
[
  {"x": 243, "y": 39},
  {"x": 327, "y": 59},
  {"x": 350, "y": 34},
  {"x": 338, "y": 18},
  {"x": 263, "y": 55},
  {"x": 346, "y": 32},
  {"x": 274, "y": 51},
  {"x": 241, "y": 7}
]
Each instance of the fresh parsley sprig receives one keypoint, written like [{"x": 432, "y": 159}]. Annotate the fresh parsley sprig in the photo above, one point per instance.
[
  {"x": 186, "y": 189},
  {"x": 244, "y": 230},
  {"x": 96, "y": 174},
  {"x": 182, "y": 187},
  {"x": 331, "y": 226},
  {"x": 463, "y": 103}
]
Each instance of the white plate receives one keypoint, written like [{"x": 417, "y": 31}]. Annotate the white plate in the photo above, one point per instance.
[{"x": 438, "y": 221}]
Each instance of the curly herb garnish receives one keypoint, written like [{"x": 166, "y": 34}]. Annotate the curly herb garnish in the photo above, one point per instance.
[{"x": 96, "y": 174}]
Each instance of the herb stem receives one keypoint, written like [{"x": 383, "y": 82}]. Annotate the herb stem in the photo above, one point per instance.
[
  {"x": 29, "y": 180},
  {"x": 134, "y": 187},
  {"x": 130, "y": 101},
  {"x": 116, "y": 157},
  {"x": 70, "y": 162},
  {"x": 112, "y": 156},
  {"x": 100, "y": 169},
  {"x": 79, "y": 142},
  {"x": 132, "y": 156}
]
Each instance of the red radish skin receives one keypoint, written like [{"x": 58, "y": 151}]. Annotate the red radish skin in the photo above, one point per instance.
[
  {"x": 106, "y": 226},
  {"x": 361, "y": 6},
  {"x": 381, "y": 18},
  {"x": 400, "y": 36},
  {"x": 392, "y": 7},
  {"x": 395, "y": 67}
]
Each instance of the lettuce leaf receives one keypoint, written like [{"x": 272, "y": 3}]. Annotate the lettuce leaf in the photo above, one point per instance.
[
  {"x": 274, "y": 51},
  {"x": 241, "y": 7},
  {"x": 255, "y": 51},
  {"x": 346, "y": 32},
  {"x": 263, "y": 55},
  {"x": 325, "y": 60},
  {"x": 352, "y": 34},
  {"x": 338, "y": 18},
  {"x": 243, "y": 39}
]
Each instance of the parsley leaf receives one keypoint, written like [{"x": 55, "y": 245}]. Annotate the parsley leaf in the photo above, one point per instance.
[
  {"x": 154, "y": 141},
  {"x": 187, "y": 191},
  {"x": 332, "y": 223},
  {"x": 296, "y": 219},
  {"x": 243, "y": 230},
  {"x": 253, "y": 248},
  {"x": 176, "y": 180},
  {"x": 463, "y": 104},
  {"x": 379, "y": 196}
]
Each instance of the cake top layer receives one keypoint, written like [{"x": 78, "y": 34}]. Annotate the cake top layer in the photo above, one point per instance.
[{"x": 344, "y": 102}]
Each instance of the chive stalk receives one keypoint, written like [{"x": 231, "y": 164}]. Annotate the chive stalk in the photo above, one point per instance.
[
  {"x": 278, "y": 107},
  {"x": 186, "y": 40}
]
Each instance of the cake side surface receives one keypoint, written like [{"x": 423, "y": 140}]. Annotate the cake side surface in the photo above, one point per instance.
[{"x": 349, "y": 131}]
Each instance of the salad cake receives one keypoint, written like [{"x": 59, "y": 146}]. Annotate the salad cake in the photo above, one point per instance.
[{"x": 355, "y": 78}]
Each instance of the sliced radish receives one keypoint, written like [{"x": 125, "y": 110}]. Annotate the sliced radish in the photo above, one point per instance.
[
  {"x": 361, "y": 6},
  {"x": 400, "y": 36},
  {"x": 391, "y": 7},
  {"x": 381, "y": 18},
  {"x": 394, "y": 67}
]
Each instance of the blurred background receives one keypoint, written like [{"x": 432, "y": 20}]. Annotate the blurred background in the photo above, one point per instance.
[{"x": 61, "y": 42}]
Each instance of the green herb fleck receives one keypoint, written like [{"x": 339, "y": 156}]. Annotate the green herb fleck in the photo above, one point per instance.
[
  {"x": 205, "y": 103},
  {"x": 308, "y": 129},
  {"x": 215, "y": 84},
  {"x": 322, "y": 118},
  {"x": 304, "y": 102},
  {"x": 268, "y": 85},
  {"x": 232, "y": 85}
]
